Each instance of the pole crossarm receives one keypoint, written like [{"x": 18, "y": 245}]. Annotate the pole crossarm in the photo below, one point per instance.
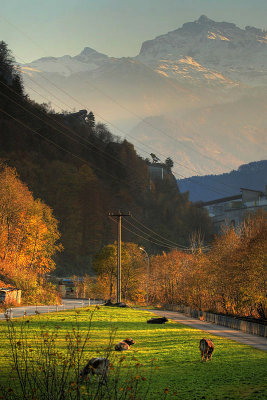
[{"x": 120, "y": 214}]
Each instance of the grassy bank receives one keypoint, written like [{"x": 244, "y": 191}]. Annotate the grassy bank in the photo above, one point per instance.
[{"x": 236, "y": 371}]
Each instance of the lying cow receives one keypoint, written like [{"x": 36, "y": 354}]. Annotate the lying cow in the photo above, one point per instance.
[
  {"x": 95, "y": 366},
  {"x": 160, "y": 320},
  {"x": 206, "y": 347},
  {"x": 124, "y": 344}
]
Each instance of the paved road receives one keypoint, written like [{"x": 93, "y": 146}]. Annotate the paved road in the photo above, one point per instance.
[
  {"x": 258, "y": 342},
  {"x": 67, "y": 304}
]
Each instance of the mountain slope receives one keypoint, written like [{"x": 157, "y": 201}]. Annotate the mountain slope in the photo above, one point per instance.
[{"x": 211, "y": 187}]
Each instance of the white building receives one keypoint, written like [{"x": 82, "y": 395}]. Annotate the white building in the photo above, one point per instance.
[{"x": 232, "y": 210}]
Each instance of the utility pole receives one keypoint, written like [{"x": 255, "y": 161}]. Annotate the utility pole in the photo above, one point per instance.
[{"x": 119, "y": 215}]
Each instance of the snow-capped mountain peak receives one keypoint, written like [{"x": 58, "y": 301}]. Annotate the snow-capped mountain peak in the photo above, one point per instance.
[
  {"x": 237, "y": 54},
  {"x": 88, "y": 55},
  {"x": 88, "y": 60}
]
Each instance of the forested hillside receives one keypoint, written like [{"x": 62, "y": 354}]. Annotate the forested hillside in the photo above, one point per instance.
[{"x": 83, "y": 172}]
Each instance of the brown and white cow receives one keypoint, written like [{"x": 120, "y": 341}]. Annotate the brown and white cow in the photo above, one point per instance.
[
  {"x": 124, "y": 344},
  {"x": 206, "y": 347}
]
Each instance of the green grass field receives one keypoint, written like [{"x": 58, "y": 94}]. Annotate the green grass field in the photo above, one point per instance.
[{"x": 236, "y": 371}]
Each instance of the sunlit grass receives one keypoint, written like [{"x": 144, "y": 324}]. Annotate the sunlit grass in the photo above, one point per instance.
[{"x": 236, "y": 371}]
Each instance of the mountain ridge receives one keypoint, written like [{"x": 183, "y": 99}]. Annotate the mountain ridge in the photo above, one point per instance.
[{"x": 211, "y": 187}]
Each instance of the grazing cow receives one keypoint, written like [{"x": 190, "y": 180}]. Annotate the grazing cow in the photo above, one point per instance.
[
  {"x": 206, "y": 347},
  {"x": 124, "y": 344},
  {"x": 160, "y": 320},
  {"x": 95, "y": 366}
]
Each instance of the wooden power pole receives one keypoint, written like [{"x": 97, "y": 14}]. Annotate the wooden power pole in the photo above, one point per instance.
[{"x": 119, "y": 215}]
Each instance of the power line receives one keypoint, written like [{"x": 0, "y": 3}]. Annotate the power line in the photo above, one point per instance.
[
  {"x": 158, "y": 243},
  {"x": 63, "y": 91},
  {"x": 58, "y": 146},
  {"x": 47, "y": 115},
  {"x": 125, "y": 133},
  {"x": 155, "y": 127},
  {"x": 65, "y": 128},
  {"x": 71, "y": 138},
  {"x": 154, "y": 238},
  {"x": 155, "y": 233},
  {"x": 175, "y": 172},
  {"x": 149, "y": 236},
  {"x": 136, "y": 234}
]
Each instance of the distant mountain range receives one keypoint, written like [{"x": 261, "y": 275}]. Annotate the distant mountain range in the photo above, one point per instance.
[
  {"x": 197, "y": 94},
  {"x": 211, "y": 187}
]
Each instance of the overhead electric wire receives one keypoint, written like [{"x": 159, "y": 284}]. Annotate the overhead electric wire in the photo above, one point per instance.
[
  {"x": 160, "y": 242},
  {"x": 156, "y": 128},
  {"x": 154, "y": 240},
  {"x": 65, "y": 127},
  {"x": 155, "y": 233},
  {"x": 165, "y": 241},
  {"x": 136, "y": 234},
  {"x": 174, "y": 172},
  {"x": 47, "y": 115},
  {"x": 57, "y": 145},
  {"x": 125, "y": 133}
]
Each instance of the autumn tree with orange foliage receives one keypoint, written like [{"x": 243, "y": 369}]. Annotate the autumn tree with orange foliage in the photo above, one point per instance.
[
  {"x": 230, "y": 279},
  {"x": 28, "y": 237},
  {"x": 133, "y": 283},
  {"x": 238, "y": 266}
]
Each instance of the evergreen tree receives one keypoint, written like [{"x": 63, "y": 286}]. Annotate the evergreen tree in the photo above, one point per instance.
[
  {"x": 91, "y": 119},
  {"x": 9, "y": 74},
  {"x": 169, "y": 163}
]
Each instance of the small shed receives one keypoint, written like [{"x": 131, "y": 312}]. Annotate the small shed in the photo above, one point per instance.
[{"x": 10, "y": 295}]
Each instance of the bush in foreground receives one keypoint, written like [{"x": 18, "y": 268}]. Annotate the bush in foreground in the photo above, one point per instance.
[{"x": 45, "y": 369}]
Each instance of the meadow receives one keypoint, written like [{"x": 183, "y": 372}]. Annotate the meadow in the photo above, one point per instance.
[{"x": 165, "y": 358}]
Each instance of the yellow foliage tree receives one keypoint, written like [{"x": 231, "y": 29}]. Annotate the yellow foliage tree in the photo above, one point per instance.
[{"x": 28, "y": 233}]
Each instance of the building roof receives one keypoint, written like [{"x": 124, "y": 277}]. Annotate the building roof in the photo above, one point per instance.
[
  {"x": 252, "y": 190},
  {"x": 230, "y": 198},
  {"x": 222, "y": 200}
]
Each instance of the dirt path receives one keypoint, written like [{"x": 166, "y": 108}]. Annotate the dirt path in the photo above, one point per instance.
[{"x": 251, "y": 340}]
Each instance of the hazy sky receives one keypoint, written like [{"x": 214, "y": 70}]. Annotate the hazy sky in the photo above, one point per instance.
[{"x": 114, "y": 27}]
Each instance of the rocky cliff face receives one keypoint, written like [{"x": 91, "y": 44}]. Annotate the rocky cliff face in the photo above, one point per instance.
[{"x": 218, "y": 52}]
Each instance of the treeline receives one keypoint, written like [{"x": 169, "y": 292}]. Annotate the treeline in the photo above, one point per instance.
[
  {"x": 230, "y": 278},
  {"x": 29, "y": 238},
  {"x": 83, "y": 172}
]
